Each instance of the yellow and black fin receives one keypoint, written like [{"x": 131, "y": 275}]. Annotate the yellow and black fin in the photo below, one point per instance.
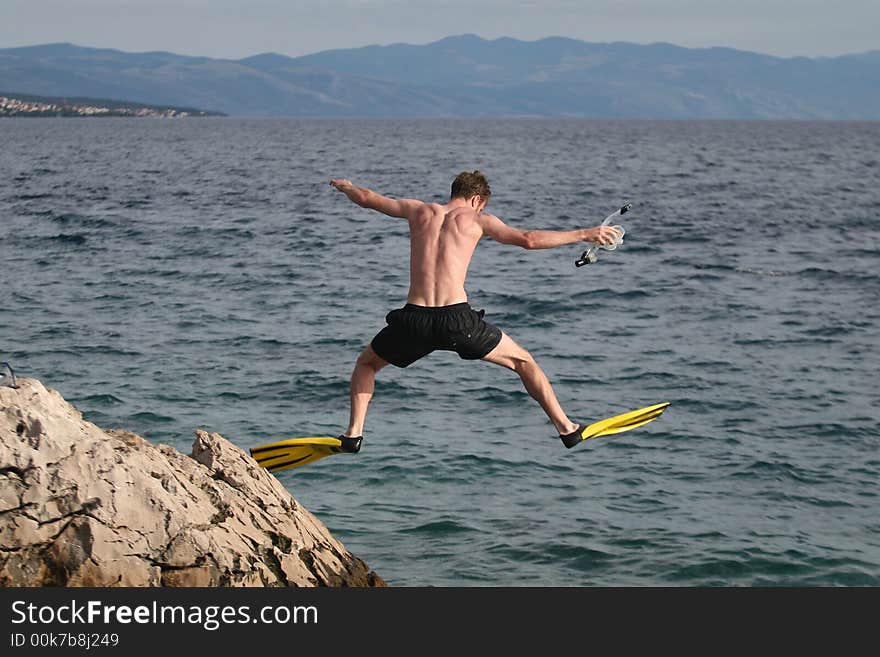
[{"x": 616, "y": 424}]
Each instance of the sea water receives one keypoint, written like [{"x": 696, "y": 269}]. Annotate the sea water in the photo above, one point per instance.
[{"x": 169, "y": 275}]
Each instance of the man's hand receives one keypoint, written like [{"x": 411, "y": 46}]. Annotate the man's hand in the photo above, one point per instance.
[
  {"x": 601, "y": 235},
  {"x": 341, "y": 184},
  {"x": 354, "y": 193}
]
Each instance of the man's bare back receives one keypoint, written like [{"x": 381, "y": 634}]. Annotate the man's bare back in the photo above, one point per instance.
[{"x": 442, "y": 243}]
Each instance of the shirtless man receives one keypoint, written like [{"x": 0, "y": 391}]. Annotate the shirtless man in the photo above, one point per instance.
[{"x": 437, "y": 314}]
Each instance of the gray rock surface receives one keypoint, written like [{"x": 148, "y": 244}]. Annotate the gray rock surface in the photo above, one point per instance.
[{"x": 84, "y": 506}]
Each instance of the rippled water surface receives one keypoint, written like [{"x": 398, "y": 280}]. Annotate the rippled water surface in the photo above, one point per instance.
[{"x": 172, "y": 275}]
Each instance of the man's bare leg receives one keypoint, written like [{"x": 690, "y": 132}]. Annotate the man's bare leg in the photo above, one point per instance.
[
  {"x": 510, "y": 355},
  {"x": 363, "y": 380}
]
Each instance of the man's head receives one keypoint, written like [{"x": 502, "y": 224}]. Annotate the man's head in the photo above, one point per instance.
[{"x": 473, "y": 187}]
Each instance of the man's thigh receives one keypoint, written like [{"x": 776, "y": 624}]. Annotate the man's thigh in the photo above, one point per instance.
[{"x": 508, "y": 353}]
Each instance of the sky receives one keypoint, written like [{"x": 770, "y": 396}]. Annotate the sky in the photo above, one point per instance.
[{"x": 239, "y": 28}]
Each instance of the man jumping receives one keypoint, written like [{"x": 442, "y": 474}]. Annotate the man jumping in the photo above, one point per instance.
[{"x": 437, "y": 315}]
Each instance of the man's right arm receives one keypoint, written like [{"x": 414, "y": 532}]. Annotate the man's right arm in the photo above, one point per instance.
[
  {"x": 543, "y": 239},
  {"x": 367, "y": 198}
]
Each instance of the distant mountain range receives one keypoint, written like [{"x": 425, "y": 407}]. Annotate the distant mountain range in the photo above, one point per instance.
[{"x": 466, "y": 76}]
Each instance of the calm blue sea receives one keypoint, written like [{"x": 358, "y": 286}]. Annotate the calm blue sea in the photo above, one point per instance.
[{"x": 169, "y": 275}]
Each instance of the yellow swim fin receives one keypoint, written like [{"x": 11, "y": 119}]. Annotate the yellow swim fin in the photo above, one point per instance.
[
  {"x": 616, "y": 424},
  {"x": 294, "y": 452}
]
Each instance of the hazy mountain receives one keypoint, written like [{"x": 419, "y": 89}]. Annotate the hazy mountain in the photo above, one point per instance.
[{"x": 466, "y": 76}]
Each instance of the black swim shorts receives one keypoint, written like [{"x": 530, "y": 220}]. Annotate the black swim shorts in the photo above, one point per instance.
[{"x": 415, "y": 331}]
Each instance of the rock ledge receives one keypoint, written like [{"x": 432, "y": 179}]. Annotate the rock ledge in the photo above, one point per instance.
[{"x": 84, "y": 506}]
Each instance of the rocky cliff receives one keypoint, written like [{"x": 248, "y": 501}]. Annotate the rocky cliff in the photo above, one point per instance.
[{"x": 85, "y": 506}]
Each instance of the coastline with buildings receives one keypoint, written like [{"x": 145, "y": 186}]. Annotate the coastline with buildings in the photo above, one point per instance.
[{"x": 42, "y": 107}]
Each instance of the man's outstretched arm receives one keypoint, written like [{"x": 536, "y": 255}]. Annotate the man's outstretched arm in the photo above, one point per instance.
[
  {"x": 367, "y": 198},
  {"x": 544, "y": 239}
]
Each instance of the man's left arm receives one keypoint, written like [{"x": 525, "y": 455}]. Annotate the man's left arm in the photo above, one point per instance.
[
  {"x": 543, "y": 239},
  {"x": 367, "y": 198}
]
